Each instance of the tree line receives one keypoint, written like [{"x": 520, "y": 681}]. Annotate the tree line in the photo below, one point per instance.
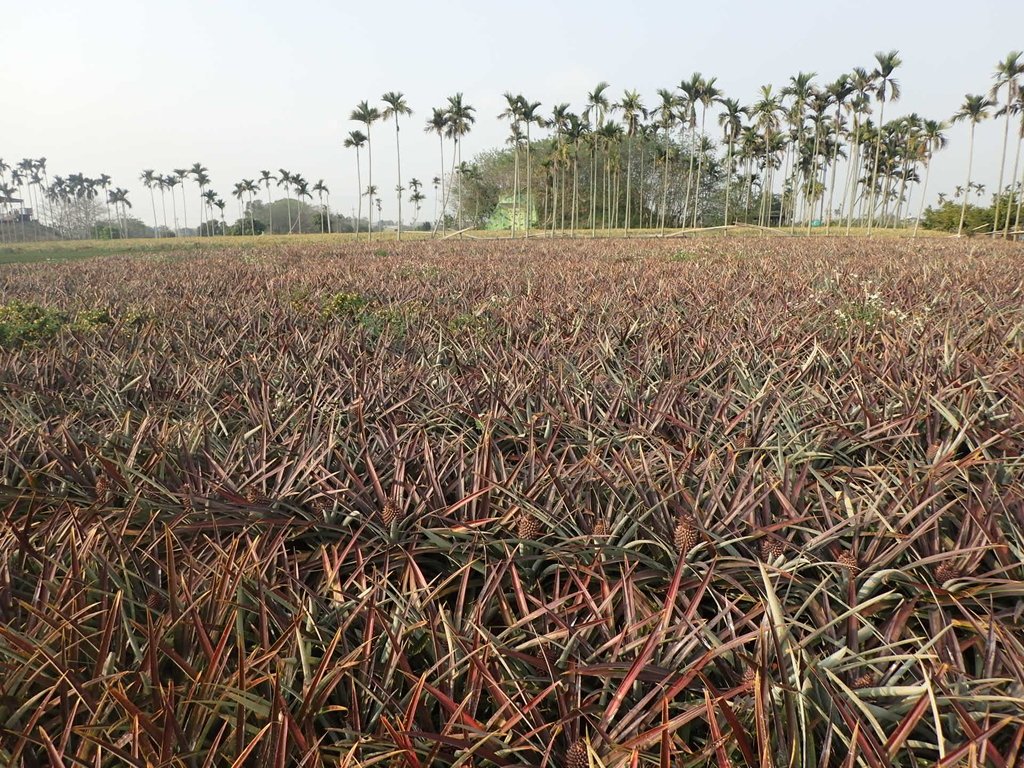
[{"x": 805, "y": 154}]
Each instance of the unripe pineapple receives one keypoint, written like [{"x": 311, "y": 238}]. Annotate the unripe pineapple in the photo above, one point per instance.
[
  {"x": 865, "y": 680},
  {"x": 742, "y": 441},
  {"x": 102, "y": 486},
  {"x": 771, "y": 549},
  {"x": 686, "y": 535},
  {"x": 186, "y": 503},
  {"x": 749, "y": 673},
  {"x": 576, "y": 755},
  {"x": 155, "y": 602},
  {"x": 529, "y": 526},
  {"x": 389, "y": 512},
  {"x": 946, "y": 571},
  {"x": 255, "y": 496},
  {"x": 849, "y": 561},
  {"x": 321, "y": 505},
  {"x": 601, "y": 528}
]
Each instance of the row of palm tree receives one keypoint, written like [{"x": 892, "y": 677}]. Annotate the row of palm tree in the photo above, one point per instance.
[
  {"x": 453, "y": 121},
  {"x": 776, "y": 160},
  {"x": 788, "y": 145}
]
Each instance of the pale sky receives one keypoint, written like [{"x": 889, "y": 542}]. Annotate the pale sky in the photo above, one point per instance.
[{"x": 116, "y": 86}]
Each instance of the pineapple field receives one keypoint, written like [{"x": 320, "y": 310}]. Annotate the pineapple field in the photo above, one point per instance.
[{"x": 566, "y": 503}]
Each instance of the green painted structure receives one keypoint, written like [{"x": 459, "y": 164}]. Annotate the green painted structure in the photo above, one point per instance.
[{"x": 501, "y": 216}]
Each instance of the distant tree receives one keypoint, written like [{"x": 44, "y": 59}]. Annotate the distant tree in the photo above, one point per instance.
[
  {"x": 356, "y": 140},
  {"x": 531, "y": 116},
  {"x": 396, "y": 108},
  {"x": 320, "y": 188},
  {"x": 266, "y": 177},
  {"x": 148, "y": 179},
  {"x": 597, "y": 107},
  {"x": 367, "y": 115},
  {"x": 932, "y": 139},
  {"x": 301, "y": 191},
  {"x": 199, "y": 172},
  {"x": 416, "y": 198},
  {"x": 459, "y": 122},
  {"x": 182, "y": 174},
  {"x": 974, "y": 110},
  {"x": 438, "y": 123},
  {"x": 284, "y": 179},
  {"x": 886, "y": 88},
  {"x": 633, "y": 111},
  {"x": 1008, "y": 74}
]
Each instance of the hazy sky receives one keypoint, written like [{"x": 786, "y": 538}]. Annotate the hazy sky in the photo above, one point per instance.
[{"x": 118, "y": 86}]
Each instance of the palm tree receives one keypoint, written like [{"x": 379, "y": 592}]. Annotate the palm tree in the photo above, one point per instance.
[
  {"x": 320, "y": 187},
  {"x": 974, "y": 110},
  {"x": 170, "y": 182},
  {"x": 371, "y": 193},
  {"x": 597, "y": 107},
  {"x": 560, "y": 122},
  {"x": 513, "y": 113},
  {"x": 301, "y": 191},
  {"x": 396, "y": 107},
  {"x": 416, "y": 198},
  {"x": 220, "y": 204},
  {"x": 238, "y": 193},
  {"x": 285, "y": 180},
  {"x": 266, "y": 177},
  {"x": 103, "y": 182},
  {"x": 182, "y": 174},
  {"x": 575, "y": 133},
  {"x": 435, "y": 183},
  {"x": 209, "y": 200},
  {"x": 148, "y": 179},
  {"x": 767, "y": 111},
  {"x": 801, "y": 89},
  {"x": 367, "y": 115},
  {"x": 356, "y": 140},
  {"x": 531, "y": 116},
  {"x": 840, "y": 90},
  {"x": 707, "y": 94},
  {"x": 199, "y": 171},
  {"x": 252, "y": 188},
  {"x": 1008, "y": 72},
  {"x": 886, "y": 88},
  {"x": 460, "y": 121},
  {"x": 1016, "y": 107},
  {"x": 667, "y": 117},
  {"x": 438, "y": 123},
  {"x": 632, "y": 109},
  {"x": 119, "y": 197},
  {"x": 688, "y": 118},
  {"x": 932, "y": 138},
  {"x": 161, "y": 184},
  {"x": 859, "y": 105},
  {"x": 731, "y": 120}
]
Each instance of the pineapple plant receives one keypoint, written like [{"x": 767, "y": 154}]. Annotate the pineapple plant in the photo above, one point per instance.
[
  {"x": 849, "y": 561},
  {"x": 529, "y": 527},
  {"x": 865, "y": 680},
  {"x": 946, "y": 571},
  {"x": 771, "y": 549},
  {"x": 576, "y": 756},
  {"x": 390, "y": 512},
  {"x": 102, "y": 486},
  {"x": 686, "y": 535}
]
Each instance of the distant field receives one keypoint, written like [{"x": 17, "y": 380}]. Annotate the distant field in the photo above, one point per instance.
[
  {"x": 700, "y": 501},
  {"x": 19, "y": 253}
]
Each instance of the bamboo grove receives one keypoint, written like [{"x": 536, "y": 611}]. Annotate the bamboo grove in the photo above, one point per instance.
[{"x": 808, "y": 154}]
